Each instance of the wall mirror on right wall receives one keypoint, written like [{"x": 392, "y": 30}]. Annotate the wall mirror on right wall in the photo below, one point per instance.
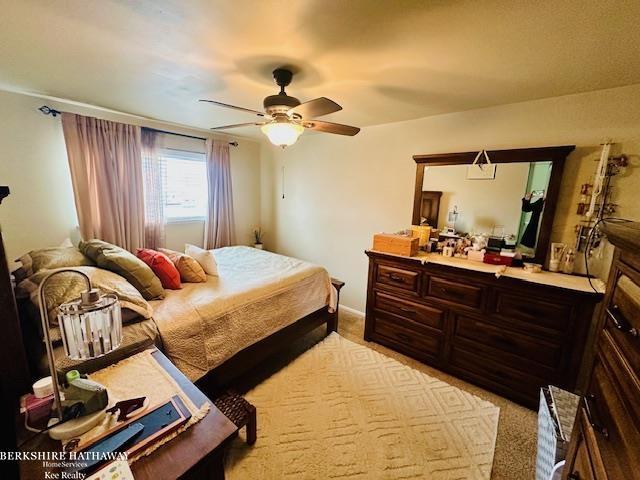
[{"x": 513, "y": 198}]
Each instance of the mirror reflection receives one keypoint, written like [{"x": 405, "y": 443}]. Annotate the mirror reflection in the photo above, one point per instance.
[{"x": 502, "y": 201}]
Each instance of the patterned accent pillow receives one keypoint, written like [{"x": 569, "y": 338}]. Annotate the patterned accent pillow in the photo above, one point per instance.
[
  {"x": 67, "y": 286},
  {"x": 122, "y": 262},
  {"x": 190, "y": 270},
  {"x": 205, "y": 258},
  {"x": 162, "y": 266},
  {"x": 51, "y": 258}
]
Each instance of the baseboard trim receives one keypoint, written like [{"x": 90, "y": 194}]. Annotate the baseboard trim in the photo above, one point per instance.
[{"x": 352, "y": 311}]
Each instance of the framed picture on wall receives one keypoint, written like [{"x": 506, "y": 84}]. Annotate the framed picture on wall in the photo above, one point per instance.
[{"x": 481, "y": 172}]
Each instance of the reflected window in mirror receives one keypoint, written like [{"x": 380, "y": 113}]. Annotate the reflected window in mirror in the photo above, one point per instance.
[{"x": 533, "y": 206}]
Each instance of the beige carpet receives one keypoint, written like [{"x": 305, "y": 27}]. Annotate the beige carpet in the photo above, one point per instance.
[
  {"x": 343, "y": 410},
  {"x": 515, "y": 454}
]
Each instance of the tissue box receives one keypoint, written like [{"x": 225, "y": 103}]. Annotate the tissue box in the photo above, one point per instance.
[
  {"x": 475, "y": 255},
  {"x": 497, "y": 259},
  {"x": 396, "y": 244}
]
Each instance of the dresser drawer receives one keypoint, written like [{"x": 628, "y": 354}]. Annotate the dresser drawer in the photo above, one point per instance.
[
  {"x": 616, "y": 436},
  {"x": 622, "y": 320},
  {"x": 626, "y": 379},
  {"x": 415, "y": 341},
  {"x": 579, "y": 464},
  {"x": 400, "y": 278},
  {"x": 581, "y": 467},
  {"x": 528, "y": 348},
  {"x": 429, "y": 316},
  {"x": 546, "y": 313},
  {"x": 455, "y": 292},
  {"x": 497, "y": 376}
]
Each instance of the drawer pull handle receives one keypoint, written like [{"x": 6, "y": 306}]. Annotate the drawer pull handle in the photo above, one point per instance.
[
  {"x": 403, "y": 337},
  {"x": 620, "y": 322},
  {"x": 531, "y": 313},
  {"x": 502, "y": 340},
  {"x": 395, "y": 278},
  {"x": 594, "y": 422},
  {"x": 407, "y": 310}
]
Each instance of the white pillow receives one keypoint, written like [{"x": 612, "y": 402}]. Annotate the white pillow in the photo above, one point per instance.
[
  {"x": 66, "y": 243},
  {"x": 204, "y": 257}
]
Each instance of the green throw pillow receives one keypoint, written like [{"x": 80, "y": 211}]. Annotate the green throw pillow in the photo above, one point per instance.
[
  {"x": 126, "y": 264},
  {"x": 51, "y": 258}
]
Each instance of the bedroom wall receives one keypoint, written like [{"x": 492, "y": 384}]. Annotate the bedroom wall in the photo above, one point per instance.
[
  {"x": 340, "y": 190},
  {"x": 40, "y": 211}
]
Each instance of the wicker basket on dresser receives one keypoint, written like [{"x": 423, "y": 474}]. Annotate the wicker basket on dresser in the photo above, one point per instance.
[
  {"x": 506, "y": 335},
  {"x": 605, "y": 443}
]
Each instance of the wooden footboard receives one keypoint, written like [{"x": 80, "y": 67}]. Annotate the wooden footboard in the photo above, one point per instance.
[{"x": 247, "y": 359}]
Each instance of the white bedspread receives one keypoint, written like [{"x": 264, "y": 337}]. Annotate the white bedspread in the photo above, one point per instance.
[{"x": 255, "y": 294}]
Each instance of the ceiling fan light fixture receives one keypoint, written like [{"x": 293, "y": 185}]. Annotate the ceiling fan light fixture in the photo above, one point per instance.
[
  {"x": 285, "y": 118},
  {"x": 282, "y": 134}
]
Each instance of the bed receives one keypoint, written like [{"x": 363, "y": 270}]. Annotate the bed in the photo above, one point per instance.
[
  {"x": 217, "y": 330},
  {"x": 256, "y": 294}
]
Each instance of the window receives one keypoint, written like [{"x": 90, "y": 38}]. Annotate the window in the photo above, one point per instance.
[{"x": 184, "y": 176}]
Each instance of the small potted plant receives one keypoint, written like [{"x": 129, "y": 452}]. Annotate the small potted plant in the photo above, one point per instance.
[{"x": 257, "y": 234}]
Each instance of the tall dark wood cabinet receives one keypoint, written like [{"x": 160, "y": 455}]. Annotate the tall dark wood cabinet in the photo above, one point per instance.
[
  {"x": 13, "y": 365},
  {"x": 507, "y": 335},
  {"x": 605, "y": 444}
]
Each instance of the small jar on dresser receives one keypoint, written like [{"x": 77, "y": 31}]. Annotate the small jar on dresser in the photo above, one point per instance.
[
  {"x": 510, "y": 334},
  {"x": 605, "y": 443}
]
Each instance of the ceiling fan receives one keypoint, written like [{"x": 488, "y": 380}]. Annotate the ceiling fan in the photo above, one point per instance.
[{"x": 285, "y": 118}]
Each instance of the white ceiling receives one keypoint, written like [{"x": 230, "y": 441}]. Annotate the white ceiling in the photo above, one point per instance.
[{"x": 383, "y": 61}]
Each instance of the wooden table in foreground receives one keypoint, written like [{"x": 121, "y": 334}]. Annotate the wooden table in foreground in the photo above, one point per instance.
[{"x": 196, "y": 453}]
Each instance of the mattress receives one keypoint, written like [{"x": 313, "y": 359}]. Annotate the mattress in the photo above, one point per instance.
[{"x": 255, "y": 294}]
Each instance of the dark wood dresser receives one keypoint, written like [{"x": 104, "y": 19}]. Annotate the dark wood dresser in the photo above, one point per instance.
[
  {"x": 505, "y": 334},
  {"x": 605, "y": 443}
]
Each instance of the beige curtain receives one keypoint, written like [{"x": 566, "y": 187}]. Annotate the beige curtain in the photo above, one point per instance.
[
  {"x": 219, "y": 229},
  {"x": 106, "y": 172},
  {"x": 154, "y": 220}
]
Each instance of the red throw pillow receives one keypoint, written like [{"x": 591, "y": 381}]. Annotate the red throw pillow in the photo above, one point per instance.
[{"x": 164, "y": 268}]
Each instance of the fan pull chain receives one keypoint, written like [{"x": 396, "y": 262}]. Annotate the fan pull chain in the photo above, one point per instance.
[{"x": 283, "y": 181}]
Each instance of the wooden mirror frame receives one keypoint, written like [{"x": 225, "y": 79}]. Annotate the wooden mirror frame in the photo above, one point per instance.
[{"x": 555, "y": 155}]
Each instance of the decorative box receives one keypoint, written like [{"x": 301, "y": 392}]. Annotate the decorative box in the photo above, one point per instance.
[
  {"x": 495, "y": 243},
  {"x": 396, "y": 244},
  {"x": 422, "y": 232},
  {"x": 497, "y": 259}
]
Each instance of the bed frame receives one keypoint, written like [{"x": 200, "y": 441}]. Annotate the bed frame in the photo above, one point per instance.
[
  {"x": 233, "y": 368},
  {"x": 247, "y": 359}
]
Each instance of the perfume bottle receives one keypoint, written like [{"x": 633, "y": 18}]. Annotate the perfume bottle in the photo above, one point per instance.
[{"x": 569, "y": 262}]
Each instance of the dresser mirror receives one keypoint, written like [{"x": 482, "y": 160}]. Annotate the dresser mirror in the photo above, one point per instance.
[{"x": 512, "y": 197}]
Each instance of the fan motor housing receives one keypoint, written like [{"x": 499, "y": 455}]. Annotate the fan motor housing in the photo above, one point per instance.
[{"x": 279, "y": 103}]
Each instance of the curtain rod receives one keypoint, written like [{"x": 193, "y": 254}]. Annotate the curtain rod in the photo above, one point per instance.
[{"x": 54, "y": 113}]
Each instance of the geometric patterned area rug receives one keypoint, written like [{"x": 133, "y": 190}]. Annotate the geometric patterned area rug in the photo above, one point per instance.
[{"x": 342, "y": 410}]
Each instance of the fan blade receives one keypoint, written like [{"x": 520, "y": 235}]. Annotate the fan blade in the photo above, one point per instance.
[
  {"x": 329, "y": 127},
  {"x": 242, "y": 109},
  {"x": 315, "y": 108},
  {"x": 236, "y": 125}
]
